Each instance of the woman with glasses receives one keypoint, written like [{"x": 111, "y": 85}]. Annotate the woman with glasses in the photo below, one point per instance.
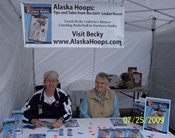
[
  {"x": 49, "y": 102},
  {"x": 100, "y": 102}
]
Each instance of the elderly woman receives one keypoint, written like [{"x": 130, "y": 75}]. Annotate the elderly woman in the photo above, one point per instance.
[
  {"x": 49, "y": 102},
  {"x": 100, "y": 102}
]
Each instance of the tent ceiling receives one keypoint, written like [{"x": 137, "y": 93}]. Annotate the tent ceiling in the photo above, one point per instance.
[
  {"x": 139, "y": 14},
  {"x": 143, "y": 13}
]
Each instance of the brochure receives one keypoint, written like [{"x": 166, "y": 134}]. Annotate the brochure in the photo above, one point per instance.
[
  {"x": 47, "y": 124},
  {"x": 118, "y": 122},
  {"x": 37, "y": 135},
  {"x": 135, "y": 133},
  {"x": 157, "y": 114},
  {"x": 71, "y": 123},
  {"x": 119, "y": 133},
  {"x": 105, "y": 133}
]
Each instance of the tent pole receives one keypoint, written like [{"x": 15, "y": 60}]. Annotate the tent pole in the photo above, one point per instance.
[
  {"x": 14, "y": 9},
  {"x": 166, "y": 20},
  {"x": 164, "y": 14},
  {"x": 137, "y": 26},
  {"x": 166, "y": 23},
  {"x": 139, "y": 21},
  {"x": 152, "y": 49},
  {"x": 93, "y": 70},
  {"x": 33, "y": 68},
  {"x": 151, "y": 9}
]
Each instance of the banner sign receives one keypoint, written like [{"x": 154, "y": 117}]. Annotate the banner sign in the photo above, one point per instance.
[{"x": 73, "y": 24}]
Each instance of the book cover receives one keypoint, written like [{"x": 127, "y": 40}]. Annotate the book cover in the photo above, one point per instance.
[
  {"x": 105, "y": 133},
  {"x": 37, "y": 23},
  {"x": 135, "y": 133},
  {"x": 9, "y": 128},
  {"x": 17, "y": 115},
  {"x": 37, "y": 135},
  {"x": 38, "y": 28},
  {"x": 137, "y": 111},
  {"x": 119, "y": 133},
  {"x": 157, "y": 115}
]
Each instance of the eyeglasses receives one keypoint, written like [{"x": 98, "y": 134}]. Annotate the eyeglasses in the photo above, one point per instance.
[
  {"x": 102, "y": 83},
  {"x": 51, "y": 81}
]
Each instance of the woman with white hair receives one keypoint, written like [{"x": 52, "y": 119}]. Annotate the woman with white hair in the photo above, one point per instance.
[
  {"x": 49, "y": 102},
  {"x": 100, "y": 102}
]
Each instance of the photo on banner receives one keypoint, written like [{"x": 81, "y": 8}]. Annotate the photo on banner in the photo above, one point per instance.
[
  {"x": 38, "y": 21},
  {"x": 157, "y": 115},
  {"x": 73, "y": 24}
]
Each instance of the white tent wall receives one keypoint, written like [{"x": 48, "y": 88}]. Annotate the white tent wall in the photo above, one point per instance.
[
  {"x": 16, "y": 63},
  {"x": 84, "y": 63},
  {"x": 162, "y": 83}
]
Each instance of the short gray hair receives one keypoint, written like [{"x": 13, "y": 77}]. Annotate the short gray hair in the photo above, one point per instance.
[
  {"x": 53, "y": 74},
  {"x": 104, "y": 76}
]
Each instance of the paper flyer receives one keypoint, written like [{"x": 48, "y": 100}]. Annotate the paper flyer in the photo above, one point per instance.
[
  {"x": 157, "y": 115},
  {"x": 72, "y": 123},
  {"x": 119, "y": 133},
  {"x": 48, "y": 124},
  {"x": 37, "y": 135},
  {"x": 105, "y": 133},
  {"x": 118, "y": 122}
]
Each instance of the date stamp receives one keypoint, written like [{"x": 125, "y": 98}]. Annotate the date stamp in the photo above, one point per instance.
[{"x": 141, "y": 120}]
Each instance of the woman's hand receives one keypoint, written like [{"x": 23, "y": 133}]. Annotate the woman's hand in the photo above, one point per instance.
[
  {"x": 58, "y": 123},
  {"x": 36, "y": 123}
]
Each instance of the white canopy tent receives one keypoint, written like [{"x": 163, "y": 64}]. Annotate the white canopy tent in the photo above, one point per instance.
[{"x": 21, "y": 68}]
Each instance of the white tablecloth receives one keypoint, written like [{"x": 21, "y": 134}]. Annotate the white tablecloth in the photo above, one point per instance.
[{"x": 88, "y": 128}]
